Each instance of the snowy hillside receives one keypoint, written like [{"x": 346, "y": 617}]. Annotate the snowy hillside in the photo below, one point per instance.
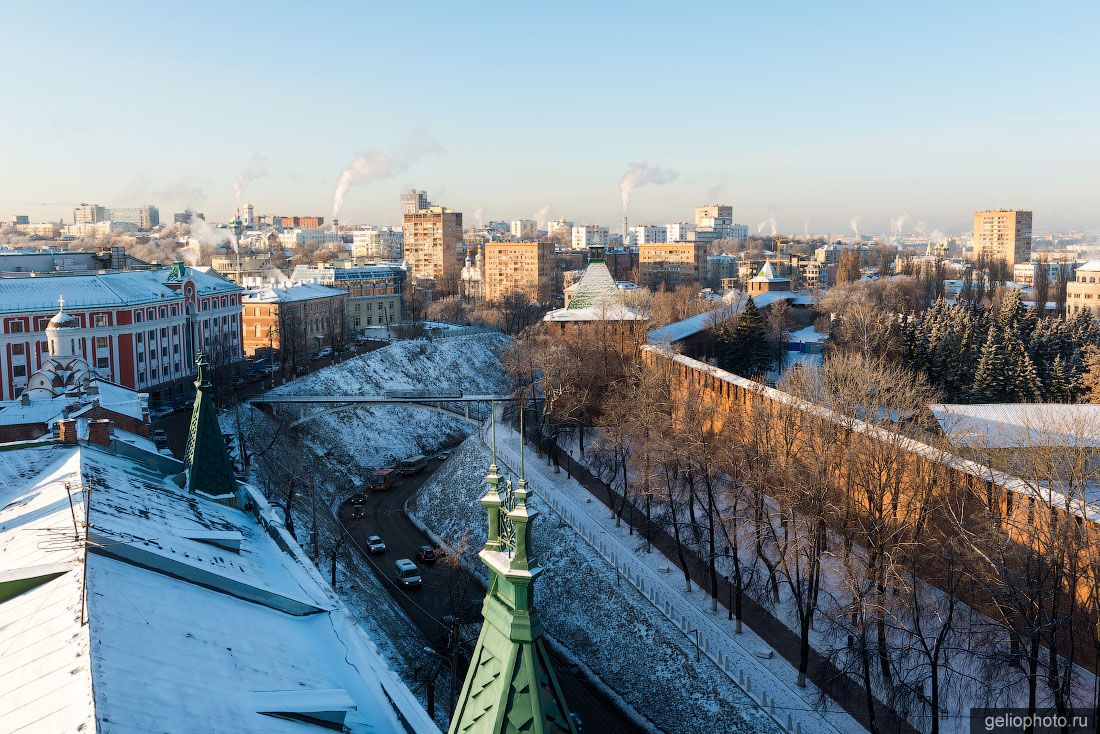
[
  {"x": 374, "y": 437},
  {"x": 607, "y": 625}
]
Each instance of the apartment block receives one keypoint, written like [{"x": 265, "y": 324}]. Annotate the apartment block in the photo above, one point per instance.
[
  {"x": 672, "y": 264},
  {"x": 434, "y": 246},
  {"x": 1002, "y": 234},
  {"x": 527, "y": 267}
]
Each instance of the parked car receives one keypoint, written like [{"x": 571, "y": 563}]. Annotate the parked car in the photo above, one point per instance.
[
  {"x": 160, "y": 438},
  {"x": 383, "y": 479},
  {"x": 326, "y": 352},
  {"x": 444, "y": 455},
  {"x": 376, "y": 545},
  {"x": 415, "y": 465},
  {"x": 361, "y": 342},
  {"x": 426, "y": 554},
  {"x": 406, "y": 573}
]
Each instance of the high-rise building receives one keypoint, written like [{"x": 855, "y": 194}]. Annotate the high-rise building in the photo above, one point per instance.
[
  {"x": 590, "y": 235},
  {"x": 1002, "y": 234},
  {"x": 672, "y": 263},
  {"x": 21, "y": 219},
  {"x": 518, "y": 266},
  {"x": 523, "y": 229},
  {"x": 715, "y": 217},
  {"x": 434, "y": 245},
  {"x": 413, "y": 201},
  {"x": 143, "y": 216},
  {"x": 89, "y": 214},
  {"x": 649, "y": 234},
  {"x": 187, "y": 217},
  {"x": 679, "y": 232}
]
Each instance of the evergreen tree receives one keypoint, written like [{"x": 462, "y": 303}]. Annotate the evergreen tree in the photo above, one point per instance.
[
  {"x": 1012, "y": 308},
  {"x": 990, "y": 383},
  {"x": 1023, "y": 380},
  {"x": 749, "y": 353}
]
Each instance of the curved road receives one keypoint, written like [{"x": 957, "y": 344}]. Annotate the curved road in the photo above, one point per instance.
[{"x": 442, "y": 594}]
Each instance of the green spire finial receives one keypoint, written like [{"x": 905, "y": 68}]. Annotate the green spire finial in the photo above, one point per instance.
[{"x": 209, "y": 468}]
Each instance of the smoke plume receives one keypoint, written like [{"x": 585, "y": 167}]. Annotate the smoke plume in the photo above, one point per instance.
[
  {"x": 771, "y": 223},
  {"x": 479, "y": 216},
  {"x": 542, "y": 214},
  {"x": 204, "y": 239},
  {"x": 374, "y": 165},
  {"x": 897, "y": 223},
  {"x": 256, "y": 169},
  {"x": 806, "y": 228},
  {"x": 854, "y": 224},
  {"x": 640, "y": 174}
]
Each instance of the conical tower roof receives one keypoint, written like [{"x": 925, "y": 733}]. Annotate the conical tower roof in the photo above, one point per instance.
[
  {"x": 209, "y": 468},
  {"x": 511, "y": 685}
]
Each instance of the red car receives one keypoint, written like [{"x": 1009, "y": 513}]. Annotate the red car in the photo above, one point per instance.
[{"x": 426, "y": 554}]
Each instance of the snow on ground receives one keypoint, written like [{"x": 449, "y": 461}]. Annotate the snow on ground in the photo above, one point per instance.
[
  {"x": 377, "y": 436},
  {"x": 960, "y": 687},
  {"x": 600, "y": 619},
  {"x": 356, "y": 441}
]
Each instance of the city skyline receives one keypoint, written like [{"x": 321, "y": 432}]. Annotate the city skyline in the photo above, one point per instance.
[{"x": 814, "y": 119}]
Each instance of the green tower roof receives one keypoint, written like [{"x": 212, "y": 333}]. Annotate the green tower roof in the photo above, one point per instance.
[
  {"x": 510, "y": 686},
  {"x": 209, "y": 468}
]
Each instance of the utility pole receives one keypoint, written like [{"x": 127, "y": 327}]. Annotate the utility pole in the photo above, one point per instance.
[{"x": 313, "y": 501}]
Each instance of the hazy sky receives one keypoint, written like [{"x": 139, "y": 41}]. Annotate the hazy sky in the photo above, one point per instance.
[{"x": 811, "y": 111}]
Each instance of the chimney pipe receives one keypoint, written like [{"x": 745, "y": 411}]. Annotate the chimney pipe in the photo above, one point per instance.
[
  {"x": 66, "y": 431},
  {"x": 99, "y": 432}
]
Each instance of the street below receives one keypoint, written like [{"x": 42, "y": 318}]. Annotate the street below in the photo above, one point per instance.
[{"x": 450, "y": 591}]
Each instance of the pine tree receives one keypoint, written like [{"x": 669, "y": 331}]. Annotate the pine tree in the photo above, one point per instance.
[
  {"x": 749, "y": 351},
  {"x": 990, "y": 383},
  {"x": 1012, "y": 309},
  {"x": 1023, "y": 380}
]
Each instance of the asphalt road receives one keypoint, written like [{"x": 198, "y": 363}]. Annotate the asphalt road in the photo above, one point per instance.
[{"x": 446, "y": 588}]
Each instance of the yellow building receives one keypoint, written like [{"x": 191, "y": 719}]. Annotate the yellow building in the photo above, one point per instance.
[
  {"x": 672, "y": 264},
  {"x": 1002, "y": 234},
  {"x": 1083, "y": 290},
  {"x": 433, "y": 243},
  {"x": 519, "y": 266}
]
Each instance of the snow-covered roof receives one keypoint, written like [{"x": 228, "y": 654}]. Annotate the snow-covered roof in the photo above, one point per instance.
[
  {"x": 807, "y": 335},
  {"x": 1092, "y": 266},
  {"x": 595, "y": 297},
  {"x": 290, "y": 293},
  {"x": 767, "y": 275},
  {"x": 1020, "y": 425},
  {"x": 199, "y": 615},
  {"x": 107, "y": 290},
  {"x": 680, "y": 330}
]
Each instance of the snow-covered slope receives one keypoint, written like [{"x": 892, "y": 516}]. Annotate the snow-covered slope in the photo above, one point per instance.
[
  {"x": 374, "y": 437},
  {"x": 607, "y": 625}
]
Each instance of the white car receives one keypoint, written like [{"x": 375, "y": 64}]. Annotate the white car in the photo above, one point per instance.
[
  {"x": 406, "y": 573},
  {"x": 375, "y": 545}
]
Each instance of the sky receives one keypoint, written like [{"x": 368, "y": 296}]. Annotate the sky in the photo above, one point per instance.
[{"x": 809, "y": 113}]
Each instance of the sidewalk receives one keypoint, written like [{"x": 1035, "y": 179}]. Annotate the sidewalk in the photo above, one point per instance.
[{"x": 746, "y": 658}]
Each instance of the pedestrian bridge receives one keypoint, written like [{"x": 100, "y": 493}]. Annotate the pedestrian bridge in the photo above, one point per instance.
[{"x": 473, "y": 407}]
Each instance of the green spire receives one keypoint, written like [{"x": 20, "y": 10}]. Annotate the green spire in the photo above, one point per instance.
[
  {"x": 209, "y": 468},
  {"x": 510, "y": 686}
]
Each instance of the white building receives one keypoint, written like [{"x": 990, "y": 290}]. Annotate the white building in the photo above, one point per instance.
[
  {"x": 523, "y": 229},
  {"x": 378, "y": 243},
  {"x": 145, "y": 217},
  {"x": 559, "y": 226},
  {"x": 590, "y": 235},
  {"x": 649, "y": 234},
  {"x": 292, "y": 239},
  {"x": 679, "y": 232},
  {"x": 89, "y": 214}
]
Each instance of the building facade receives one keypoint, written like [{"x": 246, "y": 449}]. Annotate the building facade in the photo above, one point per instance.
[
  {"x": 374, "y": 292},
  {"x": 590, "y": 235},
  {"x": 434, "y": 246},
  {"x": 297, "y": 320},
  {"x": 377, "y": 243},
  {"x": 648, "y": 234},
  {"x": 143, "y": 217},
  {"x": 413, "y": 201},
  {"x": 527, "y": 267},
  {"x": 1002, "y": 234},
  {"x": 138, "y": 329},
  {"x": 672, "y": 264},
  {"x": 523, "y": 229},
  {"x": 1083, "y": 291}
]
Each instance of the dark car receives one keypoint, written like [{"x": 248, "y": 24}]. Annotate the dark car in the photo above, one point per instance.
[
  {"x": 160, "y": 438},
  {"x": 357, "y": 499},
  {"x": 375, "y": 545},
  {"x": 426, "y": 554}
]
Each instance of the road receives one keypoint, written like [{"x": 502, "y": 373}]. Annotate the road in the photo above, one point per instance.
[{"x": 443, "y": 591}]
